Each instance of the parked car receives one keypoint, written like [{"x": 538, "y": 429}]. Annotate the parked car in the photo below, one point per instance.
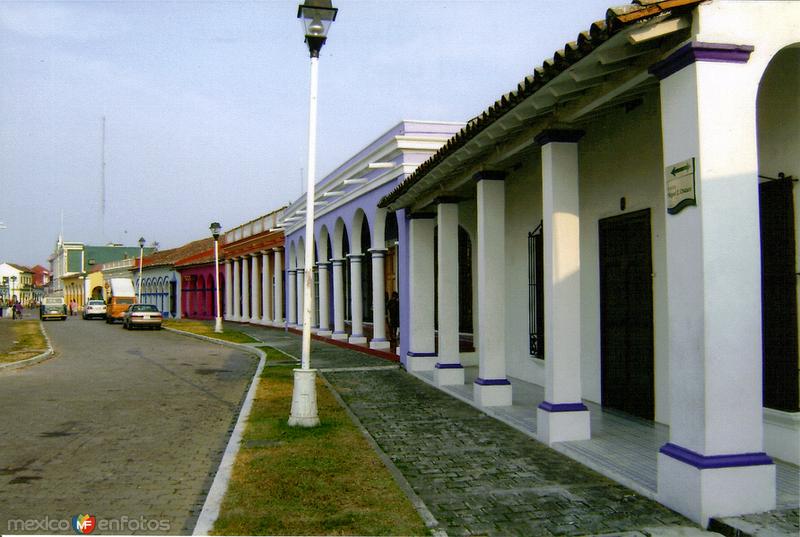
[
  {"x": 53, "y": 307},
  {"x": 94, "y": 309},
  {"x": 141, "y": 315},
  {"x": 120, "y": 297}
]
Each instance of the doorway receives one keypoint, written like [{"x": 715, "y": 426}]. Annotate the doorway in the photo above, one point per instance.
[{"x": 626, "y": 314}]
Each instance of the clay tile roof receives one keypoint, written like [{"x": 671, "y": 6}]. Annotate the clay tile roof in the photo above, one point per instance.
[
  {"x": 173, "y": 255},
  {"x": 616, "y": 19},
  {"x": 21, "y": 268}
]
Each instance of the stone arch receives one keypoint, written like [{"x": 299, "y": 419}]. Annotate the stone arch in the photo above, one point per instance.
[
  {"x": 379, "y": 228},
  {"x": 359, "y": 219},
  {"x": 301, "y": 253},
  {"x": 291, "y": 259},
  {"x": 340, "y": 239},
  {"x": 323, "y": 244}
]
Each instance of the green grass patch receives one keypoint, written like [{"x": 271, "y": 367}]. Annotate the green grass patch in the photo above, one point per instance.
[
  {"x": 24, "y": 339},
  {"x": 274, "y": 355},
  {"x": 206, "y": 328},
  {"x": 325, "y": 480}
]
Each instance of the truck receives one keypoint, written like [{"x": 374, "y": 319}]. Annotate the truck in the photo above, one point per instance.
[{"x": 120, "y": 295}]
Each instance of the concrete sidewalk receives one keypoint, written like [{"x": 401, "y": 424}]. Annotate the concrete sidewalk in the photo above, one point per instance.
[{"x": 475, "y": 474}]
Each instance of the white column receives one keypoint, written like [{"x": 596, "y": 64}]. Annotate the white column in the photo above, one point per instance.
[
  {"x": 714, "y": 463},
  {"x": 245, "y": 290},
  {"x": 379, "y": 340},
  {"x": 356, "y": 301},
  {"x": 338, "y": 299},
  {"x": 300, "y": 295},
  {"x": 449, "y": 370},
  {"x": 237, "y": 296},
  {"x": 266, "y": 289},
  {"x": 228, "y": 292},
  {"x": 562, "y": 416},
  {"x": 324, "y": 304},
  {"x": 421, "y": 345},
  {"x": 291, "y": 300},
  {"x": 255, "y": 290},
  {"x": 491, "y": 388},
  {"x": 277, "y": 316}
]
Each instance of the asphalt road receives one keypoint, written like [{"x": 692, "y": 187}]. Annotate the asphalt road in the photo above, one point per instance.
[{"x": 128, "y": 426}]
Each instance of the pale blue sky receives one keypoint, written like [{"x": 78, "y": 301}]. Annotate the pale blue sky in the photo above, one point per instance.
[{"x": 206, "y": 103}]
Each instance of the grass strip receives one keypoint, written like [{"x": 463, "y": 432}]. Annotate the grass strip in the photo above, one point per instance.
[
  {"x": 26, "y": 341},
  {"x": 275, "y": 355},
  {"x": 206, "y": 328},
  {"x": 324, "y": 480}
]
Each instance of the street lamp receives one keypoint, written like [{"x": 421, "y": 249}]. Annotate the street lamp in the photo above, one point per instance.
[
  {"x": 13, "y": 284},
  {"x": 215, "y": 229},
  {"x": 141, "y": 256},
  {"x": 317, "y": 16}
]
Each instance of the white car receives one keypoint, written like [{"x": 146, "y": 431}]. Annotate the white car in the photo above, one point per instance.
[{"x": 94, "y": 309}]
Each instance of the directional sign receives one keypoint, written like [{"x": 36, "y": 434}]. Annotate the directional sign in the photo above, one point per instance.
[{"x": 680, "y": 185}]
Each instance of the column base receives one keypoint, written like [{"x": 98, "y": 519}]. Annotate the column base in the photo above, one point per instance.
[
  {"x": 324, "y": 333},
  {"x": 244, "y": 319},
  {"x": 304, "y": 399},
  {"x": 266, "y": 322},
  {"x": 492, "y": 392},
  {"x": 279, "y": 323},
  {"x": 339, "y": 336},
  {"x": 701, "y": 487},
  {"x": 562, "y": 422},
  {"x": 448, "y": 375},
  {"x": 379, "y": 344},
  {"x": 420, "y": 361},
  {"x": 357, "y": 340}
]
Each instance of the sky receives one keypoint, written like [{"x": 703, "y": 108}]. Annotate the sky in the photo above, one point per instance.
[{"x": 206, "y": 103}]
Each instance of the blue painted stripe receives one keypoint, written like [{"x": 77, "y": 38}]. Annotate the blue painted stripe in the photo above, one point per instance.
[
  {"x": 704, "y": 462},
  {"x": 562, "y": 407},
  {"x": 492, "y": 382}
]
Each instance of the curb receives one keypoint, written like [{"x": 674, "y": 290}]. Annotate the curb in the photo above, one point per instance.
[
  {"x": 216, "y": 493},
  {"x": 33, "y": 360}
]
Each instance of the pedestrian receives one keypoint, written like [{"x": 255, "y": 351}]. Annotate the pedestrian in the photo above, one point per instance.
[
  {"x": 72, "y": 307},
  {"x": 393, "y": 308},
  {"x": 18, "y": 310}
]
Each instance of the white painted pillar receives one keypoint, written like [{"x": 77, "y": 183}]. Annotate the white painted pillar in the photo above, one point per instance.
[
  {"x": 562, "y": 416},
  {"x": 356, "y": 301},
  {"x": 379, "y": 340},
  {"x": 228, "y": 292},
  {"x": 491, "y": 388},
  {"x": 277, "y": 316},
  {"x": 255, "y": 290},
  {"x": 421, "y": 345},
  {"x": 339, "y": 332},
  {"x": 300, "y": 295},
  {"x": 449, "y": 370},
  {"x": 291, "y": 300},
  {"x": 324, "y": 303},
  {"x": 714, "y": 463},
  {"x": 237, "y": 296},
  {"x": 266, "y": 289},
  {"x": 245, "y": 289}
]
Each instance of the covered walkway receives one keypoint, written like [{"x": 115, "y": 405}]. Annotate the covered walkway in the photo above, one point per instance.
[{"x": 623, "y": 447}]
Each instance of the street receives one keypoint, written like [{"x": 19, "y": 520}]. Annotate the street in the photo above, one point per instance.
[{"x": 126, "y": 426}]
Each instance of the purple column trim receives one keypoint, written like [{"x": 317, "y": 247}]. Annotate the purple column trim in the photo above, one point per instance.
[
  {"x": 562, "y": 407},
  {"x": 550, "y": 136},
  {"x": 422, "y": 354},
  {"x": 700, "y": 52},
  {"x": 492, "y": 382},
  {"x": 704, "y": 462},
  {"x": 449, "y": 366}
]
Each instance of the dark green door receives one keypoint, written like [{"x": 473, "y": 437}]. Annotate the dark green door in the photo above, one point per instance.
[{"x": 626, "y": 314}]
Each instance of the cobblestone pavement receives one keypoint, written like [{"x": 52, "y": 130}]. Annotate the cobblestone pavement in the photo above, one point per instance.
[
  {"x": 475, "y": 474},
  {"x": 117, "y": 424}
]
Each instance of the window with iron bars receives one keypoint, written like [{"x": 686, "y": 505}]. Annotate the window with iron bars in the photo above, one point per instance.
[{"x": 536, "y": 292}]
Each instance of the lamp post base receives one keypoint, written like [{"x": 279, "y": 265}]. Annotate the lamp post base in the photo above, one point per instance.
[
  {"x": 218, "y": 325},
  {"x": 304, "y": 399}
]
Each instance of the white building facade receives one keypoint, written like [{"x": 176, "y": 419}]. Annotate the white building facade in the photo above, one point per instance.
[{"x": 633, "y": 210}]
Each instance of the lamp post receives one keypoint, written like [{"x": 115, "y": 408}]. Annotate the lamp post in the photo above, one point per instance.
[
  {"x": 215, "y": 229},
  {"x": 141, "y": 256},
  {"x": 317, "y": 16},
  {"x": 13, "y": 285}
]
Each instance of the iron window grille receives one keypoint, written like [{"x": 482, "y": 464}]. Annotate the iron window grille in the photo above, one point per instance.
[{"x": 536, "y": 292}]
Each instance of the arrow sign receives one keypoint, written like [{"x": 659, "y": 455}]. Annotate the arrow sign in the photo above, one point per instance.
[
  {"x": 680, "y": 186},
  {"x": 676, "y": 171}
]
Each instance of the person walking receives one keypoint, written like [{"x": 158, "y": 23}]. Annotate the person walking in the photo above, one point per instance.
[
  {"x": 393, "y": 308},
  {"x": 18, "y": 310}
]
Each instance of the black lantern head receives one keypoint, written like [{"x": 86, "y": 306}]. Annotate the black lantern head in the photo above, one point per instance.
[
  {"x": 141, "y": 242},
  {"x": 215, "y": 229},
  {"x": 317, "y": 16}
]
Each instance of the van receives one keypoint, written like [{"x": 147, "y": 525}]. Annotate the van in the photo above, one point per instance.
[
  {"x": 121, "y": 295},
  {"x": 53, "y": 307}
]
